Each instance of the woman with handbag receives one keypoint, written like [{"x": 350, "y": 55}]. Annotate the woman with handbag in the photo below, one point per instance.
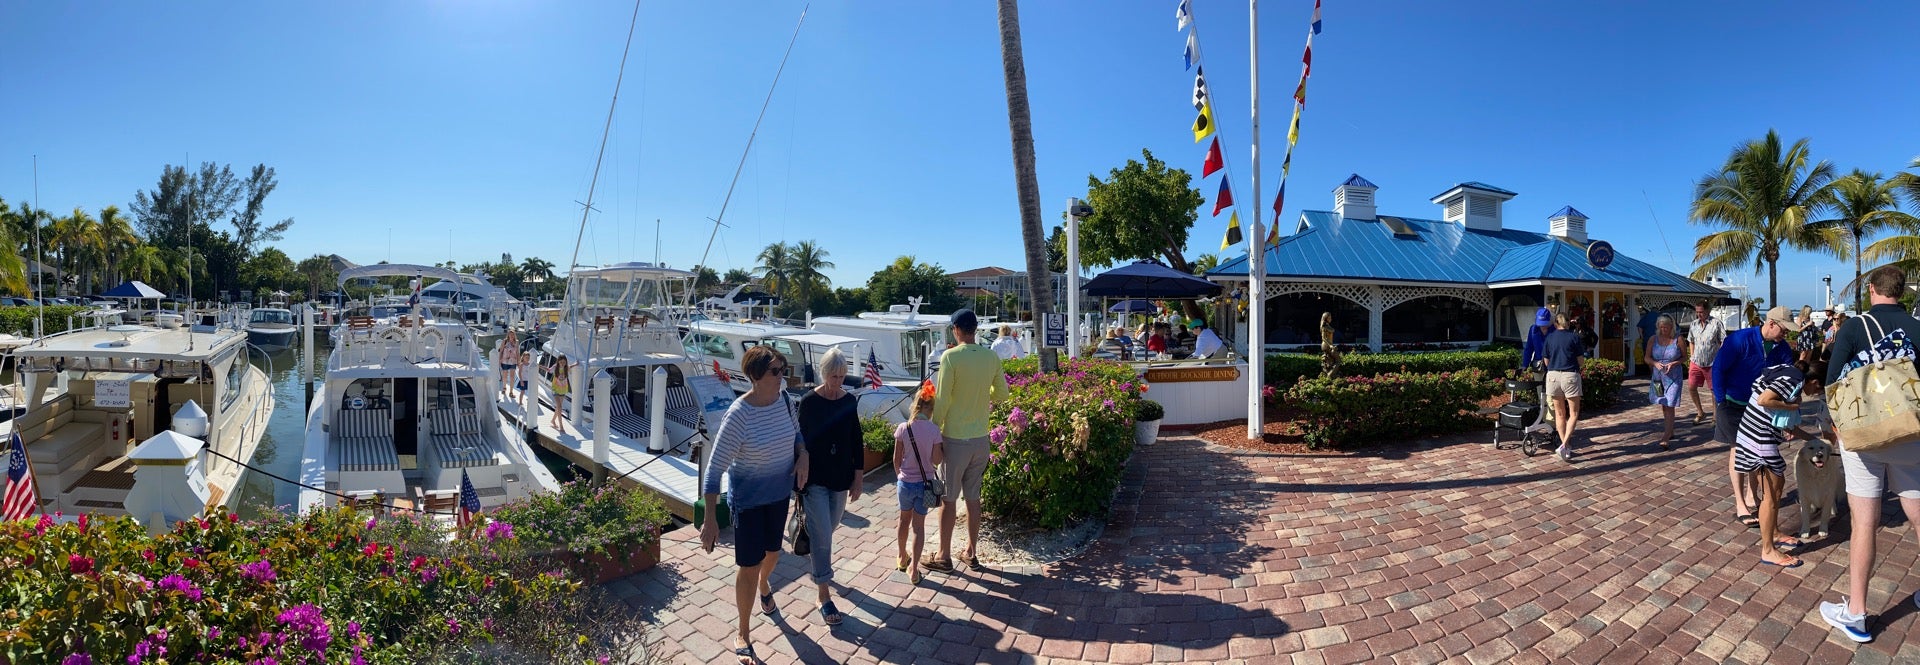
[
  {"x": 1669, "y": 367},
  {"x": 830, "y": 424},
  {"x": 758, "y": 448},
  {"x": 917, "y": 456}
]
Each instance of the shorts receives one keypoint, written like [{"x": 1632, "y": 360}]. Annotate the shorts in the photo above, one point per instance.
[
  {"x": 757, "y": 531},
  {"x": 507, "y": 367},
  {"x": 1746, "y": 460},
  {"x": 1563, "y": 384},
  {"x": 966, "y": 465},
  {"x": 1872, "y": 474},
  {"x": 1699, "y": 376},
  {"x": 912, "y": 497},
  {"x": 1726, "y": 421}
]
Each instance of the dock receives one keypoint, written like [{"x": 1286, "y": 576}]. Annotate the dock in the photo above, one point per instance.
[{"x": 674, "y": 480}]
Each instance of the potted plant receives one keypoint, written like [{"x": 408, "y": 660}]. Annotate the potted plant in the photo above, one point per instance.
[
  {"x": 1146, "y": 424},
  {"x": 877, "y": 436},
  {"x": 601, "y": 533}
]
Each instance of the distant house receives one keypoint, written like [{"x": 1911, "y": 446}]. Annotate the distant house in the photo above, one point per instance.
[
  {"x": 1465, "y": 278},
  {"x": 979, "y": 281}
]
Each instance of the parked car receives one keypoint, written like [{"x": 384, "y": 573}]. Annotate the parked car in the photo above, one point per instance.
[{"x": 12, "y": 301}]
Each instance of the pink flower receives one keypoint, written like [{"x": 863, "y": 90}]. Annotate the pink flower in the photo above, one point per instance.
[
  {"x": 191, "y": 562},
  {"x": 148, "y": 555},
  {"x": 82, "y": 658},
  {"x": 83, "y": 522},
  {"x": 453, "y": 626},
  {"x": 79, "y": 565},
  {"x": 371, "y": 549},
  {"x": 259, "y": 571}
]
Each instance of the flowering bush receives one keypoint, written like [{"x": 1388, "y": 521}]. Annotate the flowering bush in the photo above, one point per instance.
[
  {"x": 582, "y": 519},
  {"x": 330, "y": 586},
  {"x": 1060, "y": 443},
  {"x": 1600, "y": 381},
  {"x": 1358, "y": 409}
]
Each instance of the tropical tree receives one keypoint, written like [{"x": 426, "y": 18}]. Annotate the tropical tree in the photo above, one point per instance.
[
  {"x": 1765, "y": 196},
  {"x": 1026, "y": 180},
  {"x": 13, "y": 268},
  {"x": 1909, "y": 182},
  {"x": 270, "y": 270},
  {"x": 1866, "y": 204},
  {"x": 1057, "y": 250},
  {"x": 148, "y": 263},
  {"x": 319, "y": 273},
  {"x": 1205, "y": 263},
  {"x": 77, "y": 236},
  {"x": 908, "y": 277},
  {"x": 805, "y": 262},
  {"x": 704, "y": 278},
  {"x": 248, "y": 230},
  {"x": 775, "y": 269},
  {"x": 119, "y": 240},
  {"x": 537, "y": 270},
  {"x": 736, "y": 276}
]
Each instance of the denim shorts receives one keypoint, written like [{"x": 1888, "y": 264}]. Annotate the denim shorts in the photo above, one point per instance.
[{"x": 912, "y": 497}]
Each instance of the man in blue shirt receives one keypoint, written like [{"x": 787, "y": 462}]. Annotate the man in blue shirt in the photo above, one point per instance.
[
  {"x": 1742, "y": 357},
  {"x": 1536, "y": 347}
]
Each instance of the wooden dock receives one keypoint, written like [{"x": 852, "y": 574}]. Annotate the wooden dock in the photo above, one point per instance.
[{"x": 672, "y": 478}]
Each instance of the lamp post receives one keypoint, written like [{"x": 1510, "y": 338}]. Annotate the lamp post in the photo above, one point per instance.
[
  {"x": 1077, "y": 210},
  {"x": 1829, "y": 280}
]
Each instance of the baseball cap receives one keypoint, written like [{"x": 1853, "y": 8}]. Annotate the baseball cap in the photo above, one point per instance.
[
  {"x": 965, "y": 320},
  {"x": 1543, "y": 317},
  {"x": 1784, "y": 317}
]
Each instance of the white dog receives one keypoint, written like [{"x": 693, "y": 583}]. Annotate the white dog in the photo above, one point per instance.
[{"x": 1816, "y": 469}]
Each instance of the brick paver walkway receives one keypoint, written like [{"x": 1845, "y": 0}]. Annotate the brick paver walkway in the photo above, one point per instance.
[{"x": 1444, "y": 551}]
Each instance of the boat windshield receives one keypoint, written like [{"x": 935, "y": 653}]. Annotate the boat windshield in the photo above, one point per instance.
[
  {"x": 272, "y": 316},
  {"x": 911, "y": 353}
]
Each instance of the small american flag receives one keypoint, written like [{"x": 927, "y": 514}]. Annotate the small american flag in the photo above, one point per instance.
[
  {"x": 22, "y": 495},
  {"x": 469, "y": 501},
  {"x": 873, "y": 368}
]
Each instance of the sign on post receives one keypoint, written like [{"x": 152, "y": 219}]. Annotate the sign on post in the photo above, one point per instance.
[
  {"x": 113, "y": 394},
  {"x": 1053, "y": 334}
]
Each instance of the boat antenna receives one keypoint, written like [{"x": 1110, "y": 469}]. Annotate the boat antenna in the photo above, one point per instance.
[
  {"x": 39, "y": 284},
  {"x": 749, "y": 149},
  {"x": 1663, "y": 233},
  {"x": 586, "y": 207}
]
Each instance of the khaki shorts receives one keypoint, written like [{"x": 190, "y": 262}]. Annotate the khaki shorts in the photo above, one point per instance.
[
  {"x": 1563, "y": 384},
  {"x": 1874, "y": 473},
  {"x": 966, "y": 465}
]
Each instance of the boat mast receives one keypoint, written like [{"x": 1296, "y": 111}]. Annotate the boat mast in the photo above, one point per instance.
[{"x": 605, "y": 131}]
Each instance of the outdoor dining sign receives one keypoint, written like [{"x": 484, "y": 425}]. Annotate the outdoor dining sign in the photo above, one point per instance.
[{"x": 1191, "y": 374}]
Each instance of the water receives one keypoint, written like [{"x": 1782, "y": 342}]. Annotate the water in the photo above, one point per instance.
[{"x": 279, "y": 449}]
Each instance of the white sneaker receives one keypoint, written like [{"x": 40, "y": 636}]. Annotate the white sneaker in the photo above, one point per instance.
[{"x": 1853, "y": 626}]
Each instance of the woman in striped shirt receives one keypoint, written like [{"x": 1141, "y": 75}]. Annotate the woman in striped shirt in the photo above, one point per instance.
[{"x": 758, "y": 448}]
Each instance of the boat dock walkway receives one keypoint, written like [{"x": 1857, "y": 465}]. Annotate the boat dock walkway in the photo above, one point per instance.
[{"x": 672, "y": 478}]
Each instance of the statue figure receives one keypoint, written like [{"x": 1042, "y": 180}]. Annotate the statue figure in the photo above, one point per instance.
[
  {"x": 1329, "y": 354},
  {"x": 1753, "y": 315}
]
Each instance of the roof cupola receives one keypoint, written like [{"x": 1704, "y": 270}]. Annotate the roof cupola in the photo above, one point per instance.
[
  {"x": 1568, "y": 224},
  {"x": 1475, "y": 205},
  {"x": 1353, "y": 199}
]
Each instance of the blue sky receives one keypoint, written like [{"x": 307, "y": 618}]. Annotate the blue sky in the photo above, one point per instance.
[{"x": 409, "y": 130}]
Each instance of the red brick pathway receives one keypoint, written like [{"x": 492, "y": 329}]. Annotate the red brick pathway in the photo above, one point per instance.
[{"x": 1442, "y": 551}]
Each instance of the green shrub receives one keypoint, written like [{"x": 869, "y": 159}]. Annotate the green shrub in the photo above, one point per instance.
[
  {"x": 1600, "y": 381},
  {"x": 329, "y": 586},
  {"x": 1286, "y": 369},
  {"x": 19, "y": 320},
  {"x": 583, "y": 519},
  {"x": 1389, "y": 407},
  {"x": 1061, "y": 442},
  {"x": 1151, "y": 410},
  {"x": 876, "y": 433}
]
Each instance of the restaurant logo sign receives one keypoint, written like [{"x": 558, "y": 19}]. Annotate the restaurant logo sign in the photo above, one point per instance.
[{"x": 1600, "y": 254}]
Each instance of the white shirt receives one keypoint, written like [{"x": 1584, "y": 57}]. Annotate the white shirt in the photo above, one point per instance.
[
  {"x": 1206, "y": 344},
  {"x": 1007, "y": 347}
]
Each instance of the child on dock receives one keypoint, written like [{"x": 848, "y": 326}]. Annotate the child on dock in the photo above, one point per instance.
[{"x": 917, "y": 456}]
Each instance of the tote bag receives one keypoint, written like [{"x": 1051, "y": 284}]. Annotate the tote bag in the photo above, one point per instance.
[{"x": 1876, "y": 402}]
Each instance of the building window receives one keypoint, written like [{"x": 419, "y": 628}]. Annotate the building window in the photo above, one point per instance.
[
  {"x": 1295, "y": 319},
  {"x": 1434, "y": 319},
  {"x": 1512, "y": 316}
]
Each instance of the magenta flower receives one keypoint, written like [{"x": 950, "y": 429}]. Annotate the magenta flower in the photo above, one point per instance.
[
  {"x": 259, "y": 571},
  {"x": 453, "y": 626},
  {"x": 181, "y": 585},
  {"x": 998, "y": 434},
  {"x": 499, "y": 531},
  {"x": 305, "y": 623},
  {"x": 82, "y": 658},
  {"x": 1017, "y": 419},
  {"x": 79, "y": 565}
]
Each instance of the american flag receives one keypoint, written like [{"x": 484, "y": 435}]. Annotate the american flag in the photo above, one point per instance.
[
  {"x": 469, "y": 501},
  {"x": 23, "y": 495},
  {"x": 873, "y": 368}
]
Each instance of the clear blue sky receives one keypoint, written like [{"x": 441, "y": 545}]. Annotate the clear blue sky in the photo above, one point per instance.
[{"x": 474, "y": 124}]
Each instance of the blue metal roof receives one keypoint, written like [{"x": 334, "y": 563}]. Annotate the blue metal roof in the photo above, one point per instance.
[
  {"x": 1356, "y": 181},
  {"x": 1567, "y": 211},
  {"x": 1330, "y": 247}
]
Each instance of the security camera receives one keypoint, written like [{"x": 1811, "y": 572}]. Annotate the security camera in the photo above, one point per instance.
[{"x": 1080, "y": 210}]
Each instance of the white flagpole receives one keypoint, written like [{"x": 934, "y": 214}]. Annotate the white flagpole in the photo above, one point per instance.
[{"x": 1256, "y": 248}]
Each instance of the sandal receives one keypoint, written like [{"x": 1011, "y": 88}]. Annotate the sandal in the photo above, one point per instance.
[
  {"x": 972, "y": 561},
  {"x": 938, "y": 565},
  {"x": 1797, "y": 561},
  {"x": 766, "y": 604},
  {"x": 1750, "y": 521},
  {"x": 746, "y": 655},
  {"x": 900, "y": 564},
  {"x": 830, "y": 614},
  {"x": 1787, "y": 545},
  {"x": 914, "y": 577}
]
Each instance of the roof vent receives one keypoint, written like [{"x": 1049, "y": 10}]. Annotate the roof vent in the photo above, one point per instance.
[
  {"x": 1569, "y": 224},
  {"x": 1353, "y": 199},
  {"x": 1475, "y": 205}
]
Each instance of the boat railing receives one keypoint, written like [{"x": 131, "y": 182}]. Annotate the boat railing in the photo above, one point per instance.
[{"x": 364, "y": 343}]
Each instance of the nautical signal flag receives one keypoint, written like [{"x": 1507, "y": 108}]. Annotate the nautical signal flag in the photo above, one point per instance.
[
  {"x": 1214, "y": 159},
  {"x": 1223, "y": 199},
  {"x": 1184, "y": 14},
  {"x": 721, "y": 372},
  {"x": 1203, "y": 124},
  {"x": 22, "y": 494},
  {"x": 1200, "y": 100},
  {"x": 1316, "y": 15},
  {"x": 1233, "y": 231},
  {"x": 1279, "y": 200},
  {"x": 1193, "y": 50},
  {"x": 1273, "y": 233},
  {"x": 1293, "y": 130}
]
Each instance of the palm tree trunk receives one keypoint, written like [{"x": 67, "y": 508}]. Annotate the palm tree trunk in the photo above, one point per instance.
[
  {"x": 1859, "y": 290},
  {"x": 1020, "y": 124},
  {"x": 1773, "y": 283}
]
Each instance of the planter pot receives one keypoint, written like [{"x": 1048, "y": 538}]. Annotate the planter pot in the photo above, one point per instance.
[
  {"x": 602, "y": 568},
  {"x": 1145, "y": 431},
  {"x": 876, "y": 459}
]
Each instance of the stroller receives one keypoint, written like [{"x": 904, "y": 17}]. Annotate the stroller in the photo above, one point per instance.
[{"x": 1526, "y": 418}]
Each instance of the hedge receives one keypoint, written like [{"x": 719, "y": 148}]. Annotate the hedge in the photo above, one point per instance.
[
  {"x": 1286, "y": 369},
  {"x": 16, "y": 320},
  {"x": 1060, "y": 444},
  {"x": 1600, "y": 381},
  {"x": 1360, "y": 409}
]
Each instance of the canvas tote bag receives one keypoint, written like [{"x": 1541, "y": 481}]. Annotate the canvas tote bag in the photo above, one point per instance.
[{"x": 1876, "y": 405}]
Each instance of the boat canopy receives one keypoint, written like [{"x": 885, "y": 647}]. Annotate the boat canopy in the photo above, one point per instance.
[{"x": 398, "y": 270}]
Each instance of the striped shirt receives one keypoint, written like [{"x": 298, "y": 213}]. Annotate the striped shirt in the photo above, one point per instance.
[
  {"x": 755, "y": 447},
  {"x": 1757, "y": 433}
]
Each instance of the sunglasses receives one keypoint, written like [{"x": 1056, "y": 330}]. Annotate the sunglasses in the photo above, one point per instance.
[{"x": 777, "y": 369}]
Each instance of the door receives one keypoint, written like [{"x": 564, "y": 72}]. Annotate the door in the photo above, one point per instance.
[
  {"x": 1613, "y": 325},
  {"x": 1580, "y": 314},
  {"x": 406, "y": 416}
]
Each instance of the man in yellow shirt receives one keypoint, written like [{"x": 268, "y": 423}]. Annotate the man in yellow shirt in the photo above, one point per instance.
[{"x": 970, "y": 381}]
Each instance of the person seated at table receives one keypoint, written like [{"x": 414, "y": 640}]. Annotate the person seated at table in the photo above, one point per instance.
[
  {"x": 1184, "y": 337},
  {"x": 1121, "y": 338},
  {"x": 1157, "y": 342}
]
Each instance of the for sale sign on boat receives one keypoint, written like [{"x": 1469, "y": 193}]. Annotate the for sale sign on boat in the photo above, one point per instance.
[{"x": 113, "y": 394}]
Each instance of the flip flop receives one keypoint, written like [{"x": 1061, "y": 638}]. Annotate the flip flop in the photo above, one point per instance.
[
  {"x": 745, "y": 654},
  {"x": 900, "y": 564},
  {"x": 1797, "y": 561},
  {"x": 830, "y": 614},
  {"x": 766, "y": 605},
  {"x": 1784, "y": 544},
  {"x": 1750, "y": 521}
]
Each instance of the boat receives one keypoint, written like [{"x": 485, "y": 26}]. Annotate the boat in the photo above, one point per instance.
[
  {"x": 907, "y": 343},
  {"x": 271, "y": 328},
  {"x": 489, "y": 310},
  {"x": 92, "y": 392},
  {"x": 409, "y": 407},
  {"x": 722, "y": 343}
]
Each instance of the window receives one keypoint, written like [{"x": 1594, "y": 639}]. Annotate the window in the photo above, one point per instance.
[
  {"x": 698, "y": 344},
  {"x": 1512, "y": 316},
  {"x": 236, "y": 378},
  {"x": 1295, "y": 319},
  {"x": 1434, "y": 319},
  {"x": 910, "y": 351}
]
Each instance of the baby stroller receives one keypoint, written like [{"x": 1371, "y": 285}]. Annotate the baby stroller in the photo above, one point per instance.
[{"x": 1526, "y": 418}]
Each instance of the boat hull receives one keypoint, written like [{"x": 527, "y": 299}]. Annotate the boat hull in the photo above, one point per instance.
[{"x": 271, "y": 340}]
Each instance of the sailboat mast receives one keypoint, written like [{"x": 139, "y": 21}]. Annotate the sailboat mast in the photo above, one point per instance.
[
  {"x": 1256, "y": 248},
  {"x": 605, "y": 131}
]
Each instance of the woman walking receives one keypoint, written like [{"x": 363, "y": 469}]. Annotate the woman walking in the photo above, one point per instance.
[
  {"x": 562, "y": 385},
  {"x": 509, "y": 362},
  {"x": 1669, "y": 367},
  {"x": 758, "y": 448},
  {"x": 1563, "y": 351},
  {"x": 830, "y": 424}
]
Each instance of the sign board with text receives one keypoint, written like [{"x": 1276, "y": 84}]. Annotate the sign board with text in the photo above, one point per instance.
[
  {"x": 1053, "y": 334},
  {"x": 113, "y": 394}
]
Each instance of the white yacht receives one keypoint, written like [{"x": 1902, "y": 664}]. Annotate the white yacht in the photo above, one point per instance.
[
  {"x": 271, "y": 328},
  {"x": 907, "y": 343},
  {"x": 92, "y": 393},
  {"x": 486, "y": 308},
  {"x": 410, "y": 404},
  {"x": 718, "y": 342}
]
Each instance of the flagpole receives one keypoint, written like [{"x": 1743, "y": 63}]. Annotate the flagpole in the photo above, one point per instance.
[{"x": 1256, "y": 248}]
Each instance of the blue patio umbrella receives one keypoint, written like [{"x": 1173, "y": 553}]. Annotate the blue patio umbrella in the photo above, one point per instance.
[
  {"x": 1146, "y": 279},
  {"x": 1133, "y": 307}
]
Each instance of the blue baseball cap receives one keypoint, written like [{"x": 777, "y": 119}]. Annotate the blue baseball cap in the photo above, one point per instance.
[
  {"x": 1544, "y": 317},
  {"x": 965, "y": 320}
]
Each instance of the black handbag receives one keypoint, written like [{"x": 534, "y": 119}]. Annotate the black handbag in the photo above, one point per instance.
[
  {"x": 933, "y": 492},
  {"x": 800, "y": 541}
]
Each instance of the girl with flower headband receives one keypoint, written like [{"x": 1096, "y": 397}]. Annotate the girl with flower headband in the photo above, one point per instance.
[{"x": 917, "y": 454}]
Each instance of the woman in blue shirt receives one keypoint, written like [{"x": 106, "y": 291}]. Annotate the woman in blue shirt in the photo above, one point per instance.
[{"x": 1536, "y": 348}]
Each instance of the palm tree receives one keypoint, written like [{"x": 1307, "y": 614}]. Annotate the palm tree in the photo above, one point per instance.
[
  {"x": 1910, "y": 182},
  {"x": 13, "y": 268},
  {"x": 1204, "y": 263},
  {"x": 736, "y": 276},
  {"x": 148, "y": 263},
  {"x": 537, "y": 270},
  {"x": 1866, "y": 204},
  {"x": 1764, "y": 195},
  {"x": 1020, "y": 125},
  {"x": 117, "y": 236},
  {"x": 804, "y": 264},
  {"x": 78, "y": 237},
  {"x": 775, "y": 269}
]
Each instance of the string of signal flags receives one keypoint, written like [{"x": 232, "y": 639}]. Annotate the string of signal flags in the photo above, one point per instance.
[{"x": 1204, "y": 126}]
